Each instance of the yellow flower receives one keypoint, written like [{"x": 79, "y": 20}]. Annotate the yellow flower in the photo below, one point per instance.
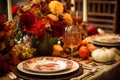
[
  {"x": 53, "y": 17},
  {"x": 67, "y": 17},
  {"x": 23, "y": 51},
  {"x": 27, "y": 7},
  {"x": 56, "y": 7}
]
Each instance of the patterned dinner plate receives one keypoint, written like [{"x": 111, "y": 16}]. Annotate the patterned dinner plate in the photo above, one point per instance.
[
  {"x": 74, "y": 66},
  {"x": 47, "y": 64}
]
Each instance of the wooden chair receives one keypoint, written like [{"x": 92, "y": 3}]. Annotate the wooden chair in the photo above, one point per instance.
[{"x": 101, "y": 13}]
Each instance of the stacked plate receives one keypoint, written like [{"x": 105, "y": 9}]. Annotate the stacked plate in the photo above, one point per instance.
[
  {"x": 107, "y": 39},
  {"x": 48, "y": 66}
]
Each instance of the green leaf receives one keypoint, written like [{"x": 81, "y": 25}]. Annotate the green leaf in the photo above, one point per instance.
[{"x": 53, "y": 40}]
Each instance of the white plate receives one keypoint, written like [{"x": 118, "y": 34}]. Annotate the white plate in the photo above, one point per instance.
[
  {"x": 105, "y": 44},
  {"x": 47, "y": 64},
  {"x": 73, "y": 68},
  {"x": 106, "y": 38}
]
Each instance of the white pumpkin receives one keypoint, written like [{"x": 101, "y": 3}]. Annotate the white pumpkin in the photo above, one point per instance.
[
  {"x": 103, "y": 55},
  {"x": 116, "y": 51}
]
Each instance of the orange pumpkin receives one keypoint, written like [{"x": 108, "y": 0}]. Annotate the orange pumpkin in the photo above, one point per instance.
[
  {"x": 83, "y": 52},
  {"x": 84, "y": 42},
  {"x": 91, "y": 47}
]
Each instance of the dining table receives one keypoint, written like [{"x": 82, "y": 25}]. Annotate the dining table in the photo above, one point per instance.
[
  {"x": 80, "y": 70},
  {"x": 103, "y": 71},
  {"x": 91, "y": 71},
  {"x": 99, "y": 70}
]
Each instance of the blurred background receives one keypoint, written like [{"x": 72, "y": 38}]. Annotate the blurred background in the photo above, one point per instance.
[{"x": 101, "y": 13}]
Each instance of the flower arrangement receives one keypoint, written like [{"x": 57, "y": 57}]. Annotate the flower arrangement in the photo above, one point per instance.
[
  {"x": 39, "y": 24},
  {"x": 7, "y": 34},
  {"x": 39, "y": 15},
  {"x": 36, "y": 27}
]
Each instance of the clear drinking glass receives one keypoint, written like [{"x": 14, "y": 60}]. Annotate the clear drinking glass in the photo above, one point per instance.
[{"x": 72, "y": 37}]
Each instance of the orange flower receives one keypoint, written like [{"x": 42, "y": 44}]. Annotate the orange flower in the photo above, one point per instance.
[
  {"x": 36, "y": 1},
  {"x": 53, "y": 17},
  {"x": 67, "y": 17}
]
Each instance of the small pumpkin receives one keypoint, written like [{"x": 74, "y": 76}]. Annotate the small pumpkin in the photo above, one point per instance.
[
  {"x": 91, "y": 47},
  {"x": 85, "y": 41},
  {"x": 83, "y": 52},
  {"x": 58, "y": 51},
  {"x": 103, "y": 55}
]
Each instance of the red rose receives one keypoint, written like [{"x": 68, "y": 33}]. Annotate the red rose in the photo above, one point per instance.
[
  {"x": 58, "y": 29},
  {"x": 14, "y": 10}
]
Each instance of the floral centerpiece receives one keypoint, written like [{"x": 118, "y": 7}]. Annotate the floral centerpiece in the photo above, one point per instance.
[
  {"x": 35, "y": 29},
  {"x": 39, "y": 25}
]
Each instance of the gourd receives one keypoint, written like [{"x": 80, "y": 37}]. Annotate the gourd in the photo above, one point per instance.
[
  {"x": 103, "y": 55},
  {"x": 58, "y": 51}
]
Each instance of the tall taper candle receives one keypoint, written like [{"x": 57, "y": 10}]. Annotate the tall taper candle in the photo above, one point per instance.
[
  {"x": 9, "y": 10},
  {"x": 85, "y": 11},
  {"x": 73, "y": 7}
]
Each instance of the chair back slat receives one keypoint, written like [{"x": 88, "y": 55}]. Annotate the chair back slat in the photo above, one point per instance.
[{"x": 100, "y": 12}]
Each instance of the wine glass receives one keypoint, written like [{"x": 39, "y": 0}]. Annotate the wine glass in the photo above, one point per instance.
[{"x": 72, "y": 37}]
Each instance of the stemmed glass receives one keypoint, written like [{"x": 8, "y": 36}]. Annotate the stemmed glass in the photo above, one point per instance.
[{"x": 72, "y": 37}]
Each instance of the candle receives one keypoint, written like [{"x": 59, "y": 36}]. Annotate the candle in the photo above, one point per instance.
[
  {"x": 84, "y": 10},
  {"x": 73, "y": 7},
  {"x": 9, "y": 10}
]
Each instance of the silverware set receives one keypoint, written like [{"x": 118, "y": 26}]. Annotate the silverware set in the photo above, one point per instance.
[{"x": 90, "y": 70}]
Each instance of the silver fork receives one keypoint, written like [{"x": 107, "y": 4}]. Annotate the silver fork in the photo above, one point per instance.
[{"x": 85, "y": 75}]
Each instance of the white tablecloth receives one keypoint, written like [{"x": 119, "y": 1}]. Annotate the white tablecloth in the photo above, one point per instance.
[{"x": 106, "y": 71}]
